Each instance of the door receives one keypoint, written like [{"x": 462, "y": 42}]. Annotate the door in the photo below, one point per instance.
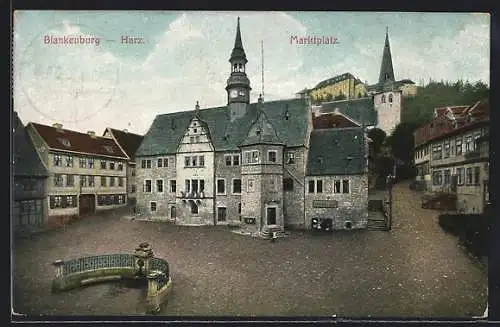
[
  {"x": 87, "y": 204},
  {"x": 271, "y": 216},
  {"x": 221, "y": 214}
]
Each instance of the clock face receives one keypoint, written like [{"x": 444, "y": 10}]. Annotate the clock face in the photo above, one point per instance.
[{"x": 233, "y": 94}]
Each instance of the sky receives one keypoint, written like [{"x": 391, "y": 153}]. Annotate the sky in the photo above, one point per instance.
[{"x": 182, "y": 57}]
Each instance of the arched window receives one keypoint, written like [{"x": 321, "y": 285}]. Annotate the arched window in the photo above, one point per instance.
[
  {"x": 173, "y": 213},
  {"x": 383, "y": 99},
  {"x": 235, "y": 67},
  {"x": 194, "y": 207},
  {"x": 240, "y": 67},
  {"x": 390, "y": 98}
]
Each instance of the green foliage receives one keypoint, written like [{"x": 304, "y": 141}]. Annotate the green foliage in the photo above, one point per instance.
[
  {"x": 378, "y": 137},
  {"x": 341, "y": 96},
  {"x": 420, "y": 108}
]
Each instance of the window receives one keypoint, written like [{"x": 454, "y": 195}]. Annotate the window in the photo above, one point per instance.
[
  {"x": 83, "y": 163},
  {"x": 383, "y": 99},
  {"x": 91, "y": 181},
  {"x": 475, "y": 144},
  {"x": 336, "y": 186},
  {"x": 132, "y": 188},
  {"x": 70, "y": 180},
  {"x": 446, "y": 153},
  {"x": 469, "y": 146},
  {"x": 469, "y": 176},
  {"x": 120, "y": 181},
  {"x": 345, "y": 186},
  {"x": 173, "y": 212},
  {"x": 159, "y": 185},
  {"x": 228, "y": 160},
  {"x": 252, "y": 157},
  {"x": 236, "y": 160},
  {"x": 447, "y": 177},
  {"x": 194, "y": 185},
  {"x": 202, "y": 185},
  {"x": 290, "y": 157},
  {"x": 461, "y": 176},
  {"x": 271, "y": 155},
  {"x": 152, "y": 206},
  {"x": 310, "y": 188},
  {"x": 160, "y": 163},
  {"x": 191, "y": 139},
  {"x": 390, "y": 98},
  {"x": 91, "y": 163},
  {"x": 188, "y": 186},
  {"x": 187, "y": 161},
  {"x": 112, "y": 165},
  {"x": 221, "y": 186},
  {"x": 319, "y": 186},
  {"x": 194, "y": 207},
  {"x": 83, "y": 181},
  {"x": 236, "y": 186},
  {"x": 58, "y": 180},
  {"x": 201, "y": 160},
  {"x": 103, "y": 164},
  {"x": 437, "y": 152},
  {"x": 69, "y": 161},
  {"x": 103, "y": 181},
  {"x": 173, "y": 186},
  {"x": 145, "y": 163},
  {"x": 147, "y": 186},
  {"x": 250, "y": 185},
  {"x": 121, "y": 199},
  {"x": 120, "y": 166},
  {"x": 477, "y": 175},
  {"x": 111, "y": 181},
  {"x": 57, "y": 160},
  {"x": 221, "y": 213},
  {"x": 239, "y": 208},
  {"x": 287, "y": 184},
  {"x": 458, "y": 146},
  {"x": 437, "y": 178},
  {"x": 165, "y": 162}
]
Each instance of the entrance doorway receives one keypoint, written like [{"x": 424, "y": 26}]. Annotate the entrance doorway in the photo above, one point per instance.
[
  {"x": 271, "y": 216},
  {"x": 87, "y": 204}
]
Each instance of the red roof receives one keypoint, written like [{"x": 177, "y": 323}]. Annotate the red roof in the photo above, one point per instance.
[
  {"x": 332, "y": 120},
  {"x": 465, "y": 117},
  {"x": 71, "y": 141}
]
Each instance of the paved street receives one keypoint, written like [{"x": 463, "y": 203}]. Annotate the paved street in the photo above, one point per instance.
[{"x": 414, "y": 270}]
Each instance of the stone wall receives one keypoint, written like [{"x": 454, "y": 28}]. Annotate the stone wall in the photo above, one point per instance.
[
  {"x": 164, "y": 200},
  {"x": 230, "y": 200},
  {"x": 389, "y": 114},
  {"x": 351, "y": 207},
  {"x": 293, "y": 200}
]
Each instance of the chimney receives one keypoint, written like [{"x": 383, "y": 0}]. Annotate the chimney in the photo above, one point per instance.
[
  {"x": 197, "y": 107},
  {"x": 91, "y": 134},
  {"x": 57, "y": 126}
]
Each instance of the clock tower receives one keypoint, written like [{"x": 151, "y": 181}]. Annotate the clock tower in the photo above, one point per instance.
[{"x": 238, "y": 85}]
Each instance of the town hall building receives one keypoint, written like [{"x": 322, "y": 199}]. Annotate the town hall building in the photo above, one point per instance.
[{"x": 250, "y": 164}]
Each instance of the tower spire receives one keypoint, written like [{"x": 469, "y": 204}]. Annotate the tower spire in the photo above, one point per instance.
[
  {"x": 386, "y": 69},
  {"x": 238, "y": 51}
]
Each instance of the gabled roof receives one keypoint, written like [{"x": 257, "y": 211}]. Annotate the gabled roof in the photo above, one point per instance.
[
  {"x": 167, "y": 130},
  {"x": 262, "y": 131},
  {"x": 333, "y": 120},
  {"x": 337, "y": 151},
  {"x": 71, "y": 141},
  {"x": 360, "y": 110},
  {"x": 27, "y": 163},
  {"x": 129, "y": 142}
]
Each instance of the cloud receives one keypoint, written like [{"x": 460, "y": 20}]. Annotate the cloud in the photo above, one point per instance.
[{"x": 184, "y": 66}]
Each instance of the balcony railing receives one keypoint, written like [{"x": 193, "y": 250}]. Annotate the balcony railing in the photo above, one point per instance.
[{"x": 192, "y": 195}]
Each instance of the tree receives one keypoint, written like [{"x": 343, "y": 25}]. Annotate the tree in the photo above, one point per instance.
[
  {"x": 402, "y": 144},
  {"x": 378, "y": 137}
]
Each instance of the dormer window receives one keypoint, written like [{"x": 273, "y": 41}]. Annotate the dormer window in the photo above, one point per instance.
[
  {"x": 64, "y": 142},
  {"x": 195, "y": 130},
  {"x": 108, "y": 148}
]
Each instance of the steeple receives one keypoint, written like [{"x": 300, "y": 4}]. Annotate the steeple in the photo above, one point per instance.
[
  {"x": 238, "y": 51},
  {"x": 386, "y": 70},
  {"x": 238, "y": 85}
]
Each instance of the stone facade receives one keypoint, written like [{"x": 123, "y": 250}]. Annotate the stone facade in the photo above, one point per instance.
[
  {"x": 347, "y": 210},
  {"x": 388, "y": 108},
  {"x": 294, "y": 169},
  {"x": 228, "y": 169}
]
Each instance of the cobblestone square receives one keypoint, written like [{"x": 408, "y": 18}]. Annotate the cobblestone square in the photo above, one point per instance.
[{"x": 414, "y": 270}]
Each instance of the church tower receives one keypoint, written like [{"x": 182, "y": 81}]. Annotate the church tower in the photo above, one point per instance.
[
  {"x": 386, "y": 70},
  {"x": 238, "y": 85}
]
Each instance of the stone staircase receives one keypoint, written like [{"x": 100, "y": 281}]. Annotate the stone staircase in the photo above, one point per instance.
[
  {"x": 268, "y": 233},
  {"x": 376, "y": 224}
]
